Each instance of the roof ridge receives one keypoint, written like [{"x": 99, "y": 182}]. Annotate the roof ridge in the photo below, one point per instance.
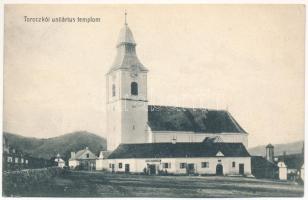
[
  {"x": 159, "y": 143},
  {"x": 186, "y": 107},
  {"x": 235, "y": 123}
]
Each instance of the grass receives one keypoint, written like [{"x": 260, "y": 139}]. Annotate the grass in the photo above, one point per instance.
[{"x": 98, "y": 184}]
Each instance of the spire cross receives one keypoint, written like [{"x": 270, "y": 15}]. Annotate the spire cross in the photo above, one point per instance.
[{"x": 125, "y": 17}]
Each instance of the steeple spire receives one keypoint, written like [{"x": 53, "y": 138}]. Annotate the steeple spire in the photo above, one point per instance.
[
  {"x": 126, "y": 47},
  {"x": 125, "y": 18}
]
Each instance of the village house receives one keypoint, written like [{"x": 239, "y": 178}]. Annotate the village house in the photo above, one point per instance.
[
  {"x": 101, "y": 160},
  {"x": 83, "y": 159},
  {"x": 294, "y": 165},
  {"x": 151, "y": 138},
  {"x": 59, "y": 161},
  {"x": 12, "y": 158},
  {"x": 16, "y": 159},
  {"x": 283, "y": 167}
]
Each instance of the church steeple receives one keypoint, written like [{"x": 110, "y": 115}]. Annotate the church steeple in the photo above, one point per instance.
[
  {"x": 126, "y": 87},
  {"x": 126, "y": 57}
]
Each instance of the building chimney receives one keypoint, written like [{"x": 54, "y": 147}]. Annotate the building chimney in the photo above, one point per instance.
[
  {"x": 269, "y": 153},
  {"x": 72, "y": 154}
]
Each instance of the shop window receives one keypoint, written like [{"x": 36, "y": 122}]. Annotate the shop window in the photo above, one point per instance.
[
  {"x": 205, "y": 164},
  {"x": 166, "y": 165},
  {"x": 182, "y": 165}
]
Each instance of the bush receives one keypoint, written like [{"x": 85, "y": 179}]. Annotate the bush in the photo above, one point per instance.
[{"x": 16, "y": 181}]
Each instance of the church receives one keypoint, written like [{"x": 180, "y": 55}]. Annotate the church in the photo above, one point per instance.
[{"x": 144, "y": 138}]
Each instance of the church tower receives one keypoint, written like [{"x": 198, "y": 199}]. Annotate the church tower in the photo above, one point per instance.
[{"x": 127, "y": 104}]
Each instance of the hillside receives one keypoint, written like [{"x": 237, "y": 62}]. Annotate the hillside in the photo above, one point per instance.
[
  {"x": 290, "y": 148},
  {"x": 47, "y": 148}
]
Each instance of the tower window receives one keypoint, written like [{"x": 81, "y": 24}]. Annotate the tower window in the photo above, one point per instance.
[
  {"x": 113, "y": 90},
  {"x": 134, "y": 88}
]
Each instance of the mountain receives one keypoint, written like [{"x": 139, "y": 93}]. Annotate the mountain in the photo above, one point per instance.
[
  {"x": 64, "y": 144},
  {"x": 290, "y": 148}
]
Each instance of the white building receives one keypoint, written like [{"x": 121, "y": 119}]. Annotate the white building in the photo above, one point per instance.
[
  {"x": 181, "y": 158},
  {"x": 283, "y": 171},
  {"x": 130, "y": 120},
  {"x": 84, "y": 159},
  {"x": 60, "y": 162},
  {"x": 302, "y": 172},
  {"x": 101, "y": 161}
]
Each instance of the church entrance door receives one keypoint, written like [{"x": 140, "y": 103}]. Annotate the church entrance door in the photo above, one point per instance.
[{"x": 219, "y": 170}]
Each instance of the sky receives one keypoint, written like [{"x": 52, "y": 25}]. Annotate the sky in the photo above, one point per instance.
[{"x": 247, "y": 59}]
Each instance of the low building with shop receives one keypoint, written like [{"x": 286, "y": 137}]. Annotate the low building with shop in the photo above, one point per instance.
[{"x": 205, "y": 158}]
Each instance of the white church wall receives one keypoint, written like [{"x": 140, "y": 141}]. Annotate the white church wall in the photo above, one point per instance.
[
  {"x": 114, "y": 125},
  {"x": 134, "y": 120},
  {"x": 127, "y": 79},
  {"x": 182, "y": 136},
  {"x": 113, "y": 111},
  {"x": 127, "y": 114}
]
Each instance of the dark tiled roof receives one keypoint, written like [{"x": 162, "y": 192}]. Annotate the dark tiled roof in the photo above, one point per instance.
[
  {"x": 261, "y": 162},
  {"x": 292, "y": 161},
  {"x": 199, "y": 120},
  {"x": 178, "y": 150},
  {"x": 80, "y": 153}
]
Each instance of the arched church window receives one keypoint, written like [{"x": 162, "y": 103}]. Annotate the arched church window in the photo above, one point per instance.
[
  {"x": 113, "y": 90},
  {"x": 134, "y": 88}
]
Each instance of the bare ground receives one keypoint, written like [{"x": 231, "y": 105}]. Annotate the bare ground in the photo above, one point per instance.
[{"x": 98, "y": 184}]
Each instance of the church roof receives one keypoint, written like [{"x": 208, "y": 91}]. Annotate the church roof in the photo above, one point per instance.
[
  {"x": 292, "y": 161},
  {"x": 198, "y": 120},
  {"x": 179, "y": 150}
]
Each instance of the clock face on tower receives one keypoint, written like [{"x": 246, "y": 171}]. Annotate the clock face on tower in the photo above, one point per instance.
[{"x": 134, "y": 71}]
